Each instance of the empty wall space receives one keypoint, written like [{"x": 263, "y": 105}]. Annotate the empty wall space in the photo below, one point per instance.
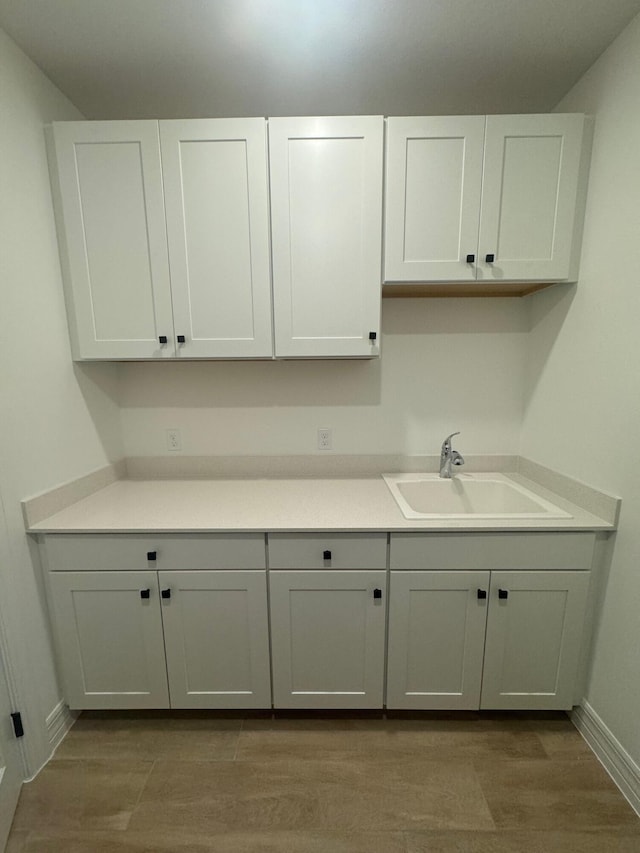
[
  {"x": 582, "y": 414},
  {"x": 447, "y": 364},
  {"x": 57, "y": 421}
]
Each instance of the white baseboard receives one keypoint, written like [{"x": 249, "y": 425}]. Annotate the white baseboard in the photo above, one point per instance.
[
  {"x": 613, "y": 756},
  {"x": 58, "y": 723}
]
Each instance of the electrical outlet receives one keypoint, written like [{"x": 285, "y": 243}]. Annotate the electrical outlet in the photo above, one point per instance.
[
  {"x": 325, "y": 438},
  {"x": 174, "y": 442}
]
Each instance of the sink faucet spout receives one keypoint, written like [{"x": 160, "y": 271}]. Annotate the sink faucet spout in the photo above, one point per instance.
[{"x": 449, "y": 457}]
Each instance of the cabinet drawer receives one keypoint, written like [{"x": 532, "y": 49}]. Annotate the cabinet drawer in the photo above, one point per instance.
[
  {"x": 490, "y": 551},
  {"x": 79, "y": 552},
  {"x": 328, "y": 551}
]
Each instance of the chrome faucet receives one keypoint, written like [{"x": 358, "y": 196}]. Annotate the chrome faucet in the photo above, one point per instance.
[{"x": 449, "y": 457}]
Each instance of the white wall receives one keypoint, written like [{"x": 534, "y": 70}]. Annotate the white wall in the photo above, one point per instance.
[
  {"x": 583, "y": 399},
  {"x": 56, "y": 422},
  {"x": 447, "y": 364}
]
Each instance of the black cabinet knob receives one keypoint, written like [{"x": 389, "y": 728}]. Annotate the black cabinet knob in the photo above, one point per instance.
[
  {"x": 145, "y": 593},
  {"x": 482, "y": 593},
  {"x": 503, "y": 593},
  {"x": 373, "y": 336},
  {"x": 377, "y": 593},
  {"x": 181, "y": 339},
  {"x": 470, "y": 259},
  {"x": 326, "y": 555},
  {"x": 152, "y": 555},
  {"x": 163, "y": 339},
  {"x": 166, "y": 593},
  {"x": 490, "y": 258}
]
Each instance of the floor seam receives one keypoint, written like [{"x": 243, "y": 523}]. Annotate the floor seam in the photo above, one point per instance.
[{"x": 142, "y": 790}]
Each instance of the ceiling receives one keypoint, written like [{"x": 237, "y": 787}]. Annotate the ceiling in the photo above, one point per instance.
[{"x": 181, "y": 58}]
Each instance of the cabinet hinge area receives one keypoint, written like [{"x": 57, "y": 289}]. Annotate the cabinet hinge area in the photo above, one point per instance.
[{"x": 16, "y": 719}]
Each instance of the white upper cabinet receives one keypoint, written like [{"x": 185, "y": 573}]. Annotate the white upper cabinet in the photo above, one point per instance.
[
  {"x": 434, "y": 183},
  {"x": 217, "y": 209},
  {"x": 110, "y": 208},
  {"x": 529, "y": 197},
  {"x": 524, "y": 224},
  {"x": 326, "y": 219},
  {"x": 193, "y": 284}
]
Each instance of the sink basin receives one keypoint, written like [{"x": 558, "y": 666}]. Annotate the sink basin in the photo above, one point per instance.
[{"x": 467, "y": 495}]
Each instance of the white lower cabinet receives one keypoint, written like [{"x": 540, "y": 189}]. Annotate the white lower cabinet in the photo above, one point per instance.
[
  {"x": 159, "y": 621},
  {"x": 327, "y": 638},
  {"x": 216, "y": 638},
  {"x": 436, "y": 639},
  {"x": 534, "y": 632},
  {"x": 460, "y": 641},
  {"x": 475, "y": 620},
  {"x": 109, "y": 631}
]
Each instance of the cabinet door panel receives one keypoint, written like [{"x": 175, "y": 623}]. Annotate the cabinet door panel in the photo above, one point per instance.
[
  {"x": 110, "y": 645},
  {"x": 216, "y": 196},
  {"x": 326, "y": 206},
  {"x": 327, "y": 635},
  {"x": 217, "y": 640},
  {"x": 533, "y": 639},
  {"x": 112, "y": 228},
  {"x": 529, "y": 196},
  {"x": 436, "y": 639},
  {"x": 432, "y": 207}
]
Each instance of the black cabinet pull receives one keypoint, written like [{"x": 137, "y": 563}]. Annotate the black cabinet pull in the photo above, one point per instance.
[
  {"x": 181, "y": 339},
  {"x": 490, "y": 258},
  {"x": 377, "y": 593},
  {"x": 326, "y": 555},
  {"x": 163, "y": 339},
  {"x": 482, "y": 593},
  {"x": 373, "y": 336},
  {"x": 166, "y": 593},
  {"x": 470, "y": 259},
  {"x": 145, "y": 593},
  {"x": 503, "y": 593},
  {"x": 18, "y": 728},
  {"x": 152, "y": 555}
]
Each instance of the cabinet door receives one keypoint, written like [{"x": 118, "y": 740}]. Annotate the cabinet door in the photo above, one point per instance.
[
  {"x": 432, "y": 206},
  {"x": 327, "y": 638},
  {"x": 110, "y": 208},
  {"x": 216, "y": 638},
  {"x": 529, "y": 196},
  {"x": 436, "y": 639},
  {"x": 217, "y": 208},
  {"x": 326, "y": 220},
  {"x": 534, "y": 631},
  {"x": 109, "y": 632}
]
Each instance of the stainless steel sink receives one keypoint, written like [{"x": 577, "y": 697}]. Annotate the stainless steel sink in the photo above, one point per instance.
[{"x": 467, "y": 495}]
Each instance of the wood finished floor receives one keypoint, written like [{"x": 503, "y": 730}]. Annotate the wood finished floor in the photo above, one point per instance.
[{"x": 182, "y": 782}]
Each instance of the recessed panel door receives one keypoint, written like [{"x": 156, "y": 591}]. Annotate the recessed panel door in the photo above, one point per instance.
[
  {"x": 529, "y": 196},
  {"x": 110, "y": 643},
  {"x": 217, "y": 638},
  {"x": 217, "y": 207},
  {"x": 432, "y": 199},
  {"x": 327, "y": 634},
  {"x": 436, "y": 639},
  {"x": 113, "y": 238},
  {"x": 326, "y": 221},
  {"x": 534, "y": 629}
]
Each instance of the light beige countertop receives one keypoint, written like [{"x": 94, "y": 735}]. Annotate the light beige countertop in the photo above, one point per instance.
[{"x": 282, "y": 505}]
